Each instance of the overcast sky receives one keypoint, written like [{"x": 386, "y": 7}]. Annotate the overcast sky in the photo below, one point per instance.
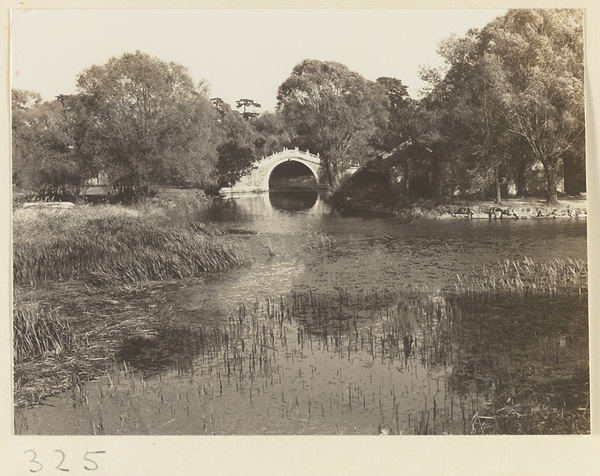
[{"x": 240, "y": 53}]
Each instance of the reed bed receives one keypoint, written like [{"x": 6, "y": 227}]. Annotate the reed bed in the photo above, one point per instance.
[
  {"x": 557, "y": 276},
  {"x": 431, "y": 364},
  {"x": 37, "y": 330},
  {"x": 320, "y": 242},
  {"x": 117, "y": 246}
]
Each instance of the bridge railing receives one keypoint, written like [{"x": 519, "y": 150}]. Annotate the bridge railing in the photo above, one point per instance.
[{"x": 295, "y": 151}]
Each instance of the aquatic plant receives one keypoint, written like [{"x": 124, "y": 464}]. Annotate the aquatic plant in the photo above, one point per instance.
[
  {"x": 320, "y": 242},
  {"x": 527, "y": 276},
  {"x": 114, "y": 248},
  {"x": 37, "y": 330}
]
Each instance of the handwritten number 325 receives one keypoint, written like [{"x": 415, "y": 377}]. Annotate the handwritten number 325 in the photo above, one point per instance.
[{"x": 37, "y": 466}]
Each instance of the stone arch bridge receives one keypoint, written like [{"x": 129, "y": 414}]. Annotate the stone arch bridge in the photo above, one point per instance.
[{"x": 257, "y": 180}]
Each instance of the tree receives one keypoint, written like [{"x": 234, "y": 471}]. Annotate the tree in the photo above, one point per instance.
[
  {"x": 332, "y": 111},
  {"x": 24, "y": 140},
  {"x": 395, "y": 134},
  {"x": 538, "y": 58},
  {"x": 44, "y": 157},
  {"x": 245, "y": 104},
  {"x": 270, "y": 133},
  {"x": 235, "y": 145},
  {"x": 153, "y": 123},
  {"x": 475, "y": 129},
  {"x": 517, "y": 81},
  {"x": 395, "y": 127}
]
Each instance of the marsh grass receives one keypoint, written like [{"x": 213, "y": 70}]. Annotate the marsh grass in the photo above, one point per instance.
[
  {"x": 37, "y": 330},
  {"x": 472, "y": 369},
  {"x": 527, "y": 410},
  {"x": 527, "y": 276},
  {"x": 93, "y": 325},
  {"x": 115, "y": 245},
  {"x": 320, "y": 242}
]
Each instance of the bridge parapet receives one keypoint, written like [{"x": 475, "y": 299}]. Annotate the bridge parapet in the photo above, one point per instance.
[{"x": 291, "y": 153}]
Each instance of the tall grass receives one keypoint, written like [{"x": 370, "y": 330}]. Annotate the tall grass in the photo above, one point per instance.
[
  {"x": 37, "y": 330},
  {"x": 113, "y": 246},
  {"x": 528, "y": 276}
]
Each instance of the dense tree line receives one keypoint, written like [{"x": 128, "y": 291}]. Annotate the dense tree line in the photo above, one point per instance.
[
  {"x": 512, "y": 96},
  {"x": 507, "y": 104},
  {"x": 139, "y": 122}
]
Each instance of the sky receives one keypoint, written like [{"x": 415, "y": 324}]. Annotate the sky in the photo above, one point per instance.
[{"x": 239, "y": 53}]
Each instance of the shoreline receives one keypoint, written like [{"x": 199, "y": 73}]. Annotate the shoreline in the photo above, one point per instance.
[{"x": 533, "y": 208}]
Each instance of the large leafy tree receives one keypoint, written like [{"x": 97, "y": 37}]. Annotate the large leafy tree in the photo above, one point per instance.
[
  {"x": 472, "y": 127},
  {"x": 538, "y": 59},
  {"x": 333, "y": 111},
  {"x": 153, "y": 123},
  {"x": 235, "y": 145},
  {"x": 512, "y": 94},
  {"x": 45, "y": 158}
]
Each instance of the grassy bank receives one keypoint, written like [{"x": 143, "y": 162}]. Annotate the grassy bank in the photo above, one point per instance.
[
  {"x": 83, "y": 279},
  {"x": 527, "y": 276},
  {"x": 66, "y": 333},
  {"x": 107, "y": 244},
  {"x": 513, "y": 208}
]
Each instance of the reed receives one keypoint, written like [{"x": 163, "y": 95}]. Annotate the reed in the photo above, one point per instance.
[
  {"x": 320, "y": 242},
  {"x": 106, "y": 248},
  {"x": 37, "y": 330},
  {"x": 527, "y": 276}
]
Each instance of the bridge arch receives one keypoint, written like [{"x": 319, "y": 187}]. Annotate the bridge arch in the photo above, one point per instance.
[
  {"x": 258, "y": 178},
  {"x": 289, "y": 168}
]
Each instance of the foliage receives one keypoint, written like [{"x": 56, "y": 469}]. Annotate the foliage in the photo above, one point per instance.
[
  {"x": 509, "y": 98},
  {"x": 37, "y": 330},
  {"x": 528, "y": 276},
  {"x": 44, "y": 158},
  {"x": 153, "y": 123},
  {"x": 245, "y": 104},
  {"x": 270, "y": 133},
  {"x": 538, "y": 59},
  {"x": 332, "y": 111},
  {"x": 235, "y": 149},
  {"x": 511, "y": 95},
  {"x": 112, "y": 248},
  {"x": 395, "y": 127}
]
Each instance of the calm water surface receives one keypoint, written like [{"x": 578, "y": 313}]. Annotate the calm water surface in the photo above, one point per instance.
[{"x": 341, "y": 327}]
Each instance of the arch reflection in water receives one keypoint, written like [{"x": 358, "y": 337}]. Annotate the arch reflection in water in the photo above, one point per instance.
[{"x": 293, "y": 201}]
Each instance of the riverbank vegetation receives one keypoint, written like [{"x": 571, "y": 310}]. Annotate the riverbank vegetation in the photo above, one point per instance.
[
  {"x": 551, "y": 395},
  {"x": 509, "y": 371},
  {"x": 88, "y": 254},
  {"x": 102, "y": 245},
  {"x": 503, "y": 117}
]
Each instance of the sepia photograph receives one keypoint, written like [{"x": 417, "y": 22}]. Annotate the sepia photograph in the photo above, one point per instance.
[
  {"x": 298, "y": 222},
  {"x": 334, "y": 238}
]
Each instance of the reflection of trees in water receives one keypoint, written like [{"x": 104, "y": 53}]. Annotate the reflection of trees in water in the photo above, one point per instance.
[
  {"x": 293, "y": 201},
  {"x": 514, "y": 351},
  {"x": 292, "y": 175},
  {"x": 484, "y": 349}
]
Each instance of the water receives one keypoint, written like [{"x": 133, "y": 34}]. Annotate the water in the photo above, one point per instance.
[{"x": 342, "y": 326}]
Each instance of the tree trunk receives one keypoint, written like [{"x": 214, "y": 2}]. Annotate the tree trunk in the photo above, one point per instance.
[
  {"x": 551, "y": 188},
  {"x": 331, "y": 178},
  {"x": 521, "y": 182},
  {"x": 435, "y": 176},
  {"x": 497, "y": 183},
  {"x": 406, "y": 182}
]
